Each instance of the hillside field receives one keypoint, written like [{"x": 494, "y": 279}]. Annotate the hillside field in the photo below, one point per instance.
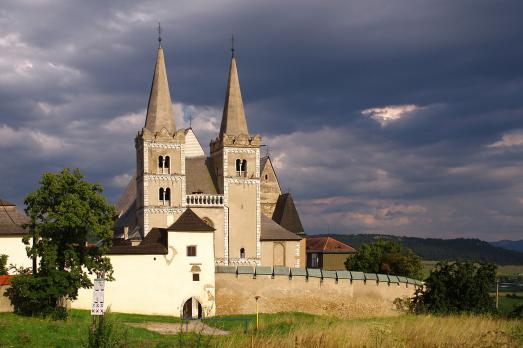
[{"x": 277, "y": 330}]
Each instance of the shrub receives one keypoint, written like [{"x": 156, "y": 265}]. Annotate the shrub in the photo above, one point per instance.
[{"x": 456, "y": 288}]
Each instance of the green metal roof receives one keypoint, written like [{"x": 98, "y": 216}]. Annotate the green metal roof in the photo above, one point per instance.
[
  {"x": 245, "y": 270},
  {"x": 343, "y": 274},
  {"x": 382, "y": 278},
  {"x": 329, "y": 274},
  {"x": 281, "y": 270},
  {"x": 298, "y": 272},
  {"x": 225, "y": 269},
  {"x": 314, "y": 272},
  {"x": 357, "y": 275},
  {"x": 370, "y": 276},
  {"x": 263, "y": 270}
]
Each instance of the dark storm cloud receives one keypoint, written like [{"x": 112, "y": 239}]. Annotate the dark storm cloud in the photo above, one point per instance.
[{"x": 74, "y": 80}]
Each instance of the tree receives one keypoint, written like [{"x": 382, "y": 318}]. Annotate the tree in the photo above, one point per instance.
[
  {"x": 64, "y": 212},
  {"x": 456, "y": 288},
  {"x": 385, "y": 256},
  {"x": 3, "y": 264}
]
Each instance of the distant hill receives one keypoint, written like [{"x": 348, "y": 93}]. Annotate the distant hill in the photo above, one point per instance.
[
  {"x": 444, "y": 249},
  {"x": 516, "y": 245}
]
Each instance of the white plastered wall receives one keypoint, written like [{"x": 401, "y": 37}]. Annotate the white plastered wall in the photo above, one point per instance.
[
  {"x": 160, "y": 284},
  {"x": 13, "y": 247}
]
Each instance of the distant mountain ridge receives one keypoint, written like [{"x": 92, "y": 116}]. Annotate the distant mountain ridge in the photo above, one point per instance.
[
  {"x": 443, "y": 249},
  {"x": 516, "y": 245}
]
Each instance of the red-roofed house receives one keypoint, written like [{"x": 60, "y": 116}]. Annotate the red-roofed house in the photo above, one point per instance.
[{"x": 327, "y": 253}]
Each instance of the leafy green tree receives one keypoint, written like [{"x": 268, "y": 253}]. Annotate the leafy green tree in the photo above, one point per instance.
[
  {"x": 64, "y": 212},
  {"x": 3, "y": 264},
  {"x": 385, "y": 256},
  {"x": 456, "y": 288}
]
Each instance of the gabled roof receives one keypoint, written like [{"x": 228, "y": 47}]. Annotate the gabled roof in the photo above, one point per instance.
[
  {"x": 159, "y": 109},
  {"x": 155, "y": 243},
  {"x": 11, "y": 220},
  {"x": 286, "y": 215},
  {"x": 327, "y": 245},
  {"x": 270, "y": 230},
  {"x": 266, "y": 161},
  {"x": 190, "y": 222},
  {"x": 199, "y": 176},
  {"x": 233, "y": 118},
  {"x": 193, "y": 148},
  {"x": 4, "y": 203}
]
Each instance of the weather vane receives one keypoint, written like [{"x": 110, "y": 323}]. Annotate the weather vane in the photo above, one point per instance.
[{"x": 159, "y": 35}]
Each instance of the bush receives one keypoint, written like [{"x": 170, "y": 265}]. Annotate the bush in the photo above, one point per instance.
[
  {"x": 36, "y": 296},
  {"x": 460, "y": 287}
]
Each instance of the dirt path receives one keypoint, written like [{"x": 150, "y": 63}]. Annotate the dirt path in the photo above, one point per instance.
[{"x": 175, "y": 328}]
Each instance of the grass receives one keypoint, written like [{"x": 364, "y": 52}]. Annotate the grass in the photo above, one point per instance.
[
  {"x": 281, "y": 330},
  {"x": 503, "y": 270}
]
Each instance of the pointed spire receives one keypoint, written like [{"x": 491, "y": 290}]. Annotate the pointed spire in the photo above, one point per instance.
[
  {"x": 159, "y": 109},
  {"x": 233, "y": 119}
]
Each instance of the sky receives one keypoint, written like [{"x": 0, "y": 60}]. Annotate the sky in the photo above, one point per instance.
[{"x": 391, "y": 117}]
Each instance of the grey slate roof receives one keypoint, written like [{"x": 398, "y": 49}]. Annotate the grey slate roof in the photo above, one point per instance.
[
  {"x": 11, "y": 220},
  {"x": 200, "y": 176},
  {"x": 286, "y": 215},
  {"x": 270, "y": 230},
  {"x": 155, "y": 243},
  {"x": 190, "y": 222}
]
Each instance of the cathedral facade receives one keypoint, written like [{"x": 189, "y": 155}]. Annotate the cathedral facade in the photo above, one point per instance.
[{"x": 234, "y": 190}]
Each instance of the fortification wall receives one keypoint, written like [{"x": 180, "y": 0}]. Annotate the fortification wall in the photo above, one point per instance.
[{"x": 336, "y": 293}]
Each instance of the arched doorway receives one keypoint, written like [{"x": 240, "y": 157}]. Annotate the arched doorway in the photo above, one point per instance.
[
  {"x": 278, "y": 254},
  {"x": 192, "y": 308}
]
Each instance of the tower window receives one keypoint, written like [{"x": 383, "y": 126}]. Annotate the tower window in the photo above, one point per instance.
[
  {"x": 164, "y": 196},
  {"x": 266, "y": 177},
  {"x": 238, "y": 166},
  {"x": 191, "y": 250},
  {"x": 242, "y": 253},
  {"x": 160, "y": 164},
  {"x": 164, "y": 164},
  {"x": 196, "y": 277},
  {"x": 243, "y": 171},
  {"x": 167, "y": 162}
]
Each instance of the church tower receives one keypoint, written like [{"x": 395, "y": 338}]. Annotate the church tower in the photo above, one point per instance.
[
  {"x": 236, "y": 158},
  {"x": 160, "y": 176}
]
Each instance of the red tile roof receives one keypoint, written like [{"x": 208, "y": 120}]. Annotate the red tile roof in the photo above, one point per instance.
[
  {"x": 5, "y": 279},
  {"x": 327, "y": 245}
]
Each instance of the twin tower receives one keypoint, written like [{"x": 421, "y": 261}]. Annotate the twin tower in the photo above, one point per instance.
[{"x": 224, "y": 190}]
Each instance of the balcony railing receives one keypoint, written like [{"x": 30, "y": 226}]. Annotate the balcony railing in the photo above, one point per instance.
[{"x": 205, "y": 200}]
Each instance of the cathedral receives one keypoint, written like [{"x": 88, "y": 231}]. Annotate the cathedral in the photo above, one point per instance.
[{"x": 234, "y": 192}]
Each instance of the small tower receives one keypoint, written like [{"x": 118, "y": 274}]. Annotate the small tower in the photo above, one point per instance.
[
  {"x": 160, "y": 178},
  {"x": 236, "y": 157}
]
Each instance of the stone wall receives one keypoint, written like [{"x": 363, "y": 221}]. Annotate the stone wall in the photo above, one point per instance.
[
  {"x": 336, "y": 293},
  {"x": 5, "y": 303}
]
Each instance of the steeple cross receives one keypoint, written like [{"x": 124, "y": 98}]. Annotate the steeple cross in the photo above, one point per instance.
[
  {"x": 159, "y": 35},
  {"x": 232, "y": 45}
]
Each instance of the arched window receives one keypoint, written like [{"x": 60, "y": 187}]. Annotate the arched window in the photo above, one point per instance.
[
  {"x": 167, "y": 163},
  {"x": 161, "y": 194},
  {"x": 160, "y": 164},
  {"x": 168, "y": 195},
  {"x": 238, "y": 166},
  {"x": 244, "y": 168},
  {"x": 242, "y": 253}
]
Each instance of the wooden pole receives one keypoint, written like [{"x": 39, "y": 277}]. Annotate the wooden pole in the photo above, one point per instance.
[{"x": 257, "y": 313}]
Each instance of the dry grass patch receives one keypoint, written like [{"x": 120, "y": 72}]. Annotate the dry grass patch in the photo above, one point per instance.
[{"x": 405, "y": 331}]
